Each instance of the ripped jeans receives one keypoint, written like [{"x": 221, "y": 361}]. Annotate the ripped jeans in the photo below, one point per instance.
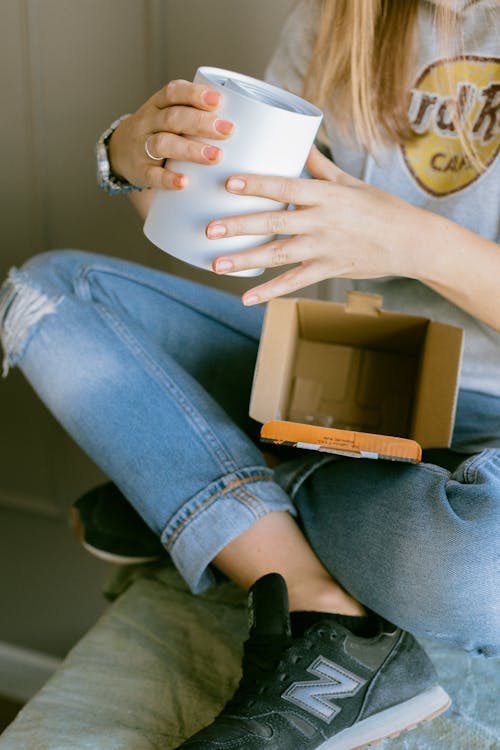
[{"x": 151, "y": 375}]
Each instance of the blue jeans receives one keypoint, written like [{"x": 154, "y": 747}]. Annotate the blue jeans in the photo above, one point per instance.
[{"x": 151, "y": 375}]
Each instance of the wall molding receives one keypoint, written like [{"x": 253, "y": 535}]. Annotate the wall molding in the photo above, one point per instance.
[
  {"x": 38, "y": 505},
  {"x": 23, "y": 671}
]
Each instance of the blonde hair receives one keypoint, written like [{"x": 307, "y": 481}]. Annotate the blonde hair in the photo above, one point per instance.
[{"x": 363, "y": 62}]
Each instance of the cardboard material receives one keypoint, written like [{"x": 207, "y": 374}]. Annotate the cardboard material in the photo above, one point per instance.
[{"x": 355, "y": 379}]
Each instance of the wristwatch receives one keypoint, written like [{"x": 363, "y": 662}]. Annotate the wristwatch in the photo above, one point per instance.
[{"x": 106, "y": 178}]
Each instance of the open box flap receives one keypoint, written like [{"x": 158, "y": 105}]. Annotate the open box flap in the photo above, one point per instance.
[
  {"x": 437, "y": 386},
  {"x": 270, "y": 391},
  {"x": 342, "y": 442}
]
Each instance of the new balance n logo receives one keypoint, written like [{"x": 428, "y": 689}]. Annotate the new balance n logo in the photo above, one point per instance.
[{"x": 315, "y": 696}]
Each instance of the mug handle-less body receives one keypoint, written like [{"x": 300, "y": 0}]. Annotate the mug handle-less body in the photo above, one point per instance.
[{"x": 274, "y": 131}]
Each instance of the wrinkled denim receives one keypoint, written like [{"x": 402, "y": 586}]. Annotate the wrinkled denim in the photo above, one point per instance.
[{"x": 151, "y": 375}]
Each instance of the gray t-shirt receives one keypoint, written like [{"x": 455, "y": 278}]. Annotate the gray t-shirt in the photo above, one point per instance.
[{"x": 433, "y": 173}]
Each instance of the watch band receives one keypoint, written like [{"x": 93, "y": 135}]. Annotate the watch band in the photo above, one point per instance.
[{"x": 106, "y": 178}]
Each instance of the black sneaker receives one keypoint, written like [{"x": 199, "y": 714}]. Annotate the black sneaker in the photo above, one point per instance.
[
  {"x": 107, "y": 525},
  {"x": 326, "y": 688}
]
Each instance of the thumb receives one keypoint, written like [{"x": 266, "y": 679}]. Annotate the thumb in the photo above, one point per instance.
[{"x": 322, "y": 168}]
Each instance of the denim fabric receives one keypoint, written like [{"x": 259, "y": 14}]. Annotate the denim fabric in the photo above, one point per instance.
[
  {"x": 418, "y": 544},
  {"x": 151, "y": 375},
  {"x": 143, "y": 371}
]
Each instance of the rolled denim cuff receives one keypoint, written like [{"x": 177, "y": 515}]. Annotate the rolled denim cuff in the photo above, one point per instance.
[{"x": 211, "y": 519}]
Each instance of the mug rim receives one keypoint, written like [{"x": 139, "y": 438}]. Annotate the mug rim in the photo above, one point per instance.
[{"x": 215, "y": 76}]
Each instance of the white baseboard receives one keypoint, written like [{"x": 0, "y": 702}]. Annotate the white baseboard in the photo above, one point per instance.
[{"x": 23, "y": 672}]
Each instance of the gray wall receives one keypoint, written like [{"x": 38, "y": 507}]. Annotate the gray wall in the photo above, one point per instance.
[{"x": 69, "y": 67}]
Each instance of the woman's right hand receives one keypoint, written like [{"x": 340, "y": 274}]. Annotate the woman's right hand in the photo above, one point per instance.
[{"x": 166, "y": 121}]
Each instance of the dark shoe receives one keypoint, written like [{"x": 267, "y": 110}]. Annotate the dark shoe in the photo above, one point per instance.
[
  {"x": 326, "y": 688},
  {"x": 107, "y": 525}
]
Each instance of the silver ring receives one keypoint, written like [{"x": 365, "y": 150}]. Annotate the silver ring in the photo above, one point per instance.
[{"x": 148, "y": 152}]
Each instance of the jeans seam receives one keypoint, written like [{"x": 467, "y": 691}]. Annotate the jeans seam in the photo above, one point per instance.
[
  {"x": 244, "y": 500},
  {"x": 85, "y": 271},
  {"x": 253, "y": 501},
  {"x": 229, "y": 487},
  {"x": 303, "y": 472},
  {"x": 473, "y": 464}
]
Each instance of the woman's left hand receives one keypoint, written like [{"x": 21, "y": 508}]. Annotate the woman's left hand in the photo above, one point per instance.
[{"x": 341, "y": 227}]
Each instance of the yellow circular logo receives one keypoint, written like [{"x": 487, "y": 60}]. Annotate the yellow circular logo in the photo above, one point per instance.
[{"x": 461, "y": 94}]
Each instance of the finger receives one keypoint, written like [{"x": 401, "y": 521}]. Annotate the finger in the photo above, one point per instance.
[
  {"x": 162, "y": 178},
  {"x": 296, "y": 278},
  {"x": 266, "y": 222},
  {"x": 191, "y": 121},
  {"x": 322, "y": 168},
  {"x": 295, "y": 190},
  {"x": 185, "y": 92},
  {"x": 269, "y": 255},
  {"x": 171, "y": 146}
]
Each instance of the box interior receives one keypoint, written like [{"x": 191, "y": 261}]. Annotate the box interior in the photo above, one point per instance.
[
  {"x": 354, "y": 372},
  {"x": 357, "y": 367}
]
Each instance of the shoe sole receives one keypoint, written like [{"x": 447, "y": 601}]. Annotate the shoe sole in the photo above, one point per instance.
[
  {"x": 77, "y": 527},
  {"x": 391, "y": 722}
]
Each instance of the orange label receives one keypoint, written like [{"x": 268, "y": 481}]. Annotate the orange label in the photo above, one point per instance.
[{"x": 347, "y": 442}]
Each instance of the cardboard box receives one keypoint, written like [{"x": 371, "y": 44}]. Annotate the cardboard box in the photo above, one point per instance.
[{"x": 355, "y": 379}]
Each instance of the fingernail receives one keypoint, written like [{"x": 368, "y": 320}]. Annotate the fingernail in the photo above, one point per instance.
[
  {"x": 224, "y": 126},
  {"x": 222, "y": 266},
  {"x": 180, "y": 181},
  {"x": 236, "y": 184},
  {"x": 210, "y": 97},
  {"x": 252, "y": 299},
  {"x": 211, "y": 153},
  {"x": 216, "y": 230}
]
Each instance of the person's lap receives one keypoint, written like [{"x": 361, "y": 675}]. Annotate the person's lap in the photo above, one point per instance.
[{"x": 401, "y": 538}]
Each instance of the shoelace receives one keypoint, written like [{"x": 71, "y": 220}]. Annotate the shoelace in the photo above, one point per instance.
[{"x": 263, "y": 657}]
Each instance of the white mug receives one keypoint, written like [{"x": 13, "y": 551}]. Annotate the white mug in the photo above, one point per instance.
[{"x": 274, "y": 132}]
